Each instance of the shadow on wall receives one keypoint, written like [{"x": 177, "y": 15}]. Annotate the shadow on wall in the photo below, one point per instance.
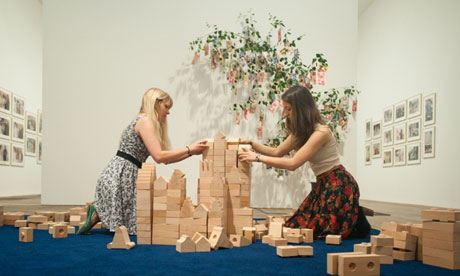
[{"x": 210, "y": 98}]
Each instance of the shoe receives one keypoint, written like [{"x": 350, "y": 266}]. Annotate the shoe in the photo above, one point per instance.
[
  {"x": 86, "y": 227},
  {"x": 368, "y": 212}
]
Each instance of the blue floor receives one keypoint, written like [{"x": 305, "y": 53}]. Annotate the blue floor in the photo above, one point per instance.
[{"x": 88, "y": 255}]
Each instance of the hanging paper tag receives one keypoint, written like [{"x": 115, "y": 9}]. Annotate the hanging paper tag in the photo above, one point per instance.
[
  {"x": 260, "y": 132},
  {"x": 195, "y": 58},
  {"x": 246, "y": 80},
  {"x": 206, "y": 49},
  {"x": 245, "y": 114},
  {"x": 229, "y": 46},
  {"x": 321, "y": 77},
  {"x": 252, "y": 108},
  {"x": 261, "y": 77},
  {"x": 279, "y": 35},
  {"x": 312, "y": 77},
  {"x": 234, "y": 91},
  {"x": 354, "y": 107},
  {"x": 237, "y": 121}
]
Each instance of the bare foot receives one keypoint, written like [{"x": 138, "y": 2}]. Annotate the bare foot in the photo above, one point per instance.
[{"x": 368, "y": 212}]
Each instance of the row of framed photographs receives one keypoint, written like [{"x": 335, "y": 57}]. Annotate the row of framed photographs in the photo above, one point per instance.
[
  {"x": 14, "y": 153},
  {"x": 400, "y": 155},
  {"x": 12, "y": 128}
]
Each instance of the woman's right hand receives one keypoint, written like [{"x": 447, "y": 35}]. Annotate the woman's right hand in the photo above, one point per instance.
[
  {"x": 198, "y": 147},
  {"x": 245, "y": 141}
]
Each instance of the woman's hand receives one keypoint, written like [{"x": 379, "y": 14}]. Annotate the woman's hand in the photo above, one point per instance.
[
  {"x": 245, "y": 141},
  {"x": 197, "y": 147},
  {"x": 247, "y": 156}
]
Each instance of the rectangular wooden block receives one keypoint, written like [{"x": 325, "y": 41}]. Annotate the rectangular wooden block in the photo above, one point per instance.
[
  {"x": 405, "y": 236},
  {"x": 62, "y": 216},
  {"x": 333, "y": 261},
  {"x": 382, "y": 240},
  {"x": 403, "y": 255},
  {"x": 37, "y": 219},
  {"x": 441, "y": 262},
  {"x": 304, "y": 250},
  {"x": 20, "y": 223},
  {"x": 334, "y": 239},
  {"x": 294, "y": 239},
  {"x": 441, "y": 215},
  {"x": 26, "y": 234},
  {"x": 365, "y": 248},
  {"x": 286, "y": 251},
  {"x": 382, "y": 250},
  {"x": 277, "y": 242},
  {"x": 60, "y": 231},
  {"x": 443, "y": 236},
  {"x": 445, "y": 245},
  {"x": 410, "y": 246},
  {"x": 307, "y": 235},
  {"x": 353, "y": 265}
]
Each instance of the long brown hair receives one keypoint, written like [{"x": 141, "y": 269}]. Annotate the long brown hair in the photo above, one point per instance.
[{"x": 305, "y": 114}]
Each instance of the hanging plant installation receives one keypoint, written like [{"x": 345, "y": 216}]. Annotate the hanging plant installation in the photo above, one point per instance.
[{"x": 263, "y": 69}]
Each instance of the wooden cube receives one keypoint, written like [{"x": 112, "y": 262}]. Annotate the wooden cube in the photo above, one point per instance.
[
  {"x": 60, "y": 231},
  {"x": 365, "y": 248},
  {"x": 294, "y": 239},
  {"x": 26, "y": 234},
  {"x": 307, "y": 235},
  {"x": 62, "y": 216},
  {"x": 382, "y": 240},
  {"x": 277, "y": 242},
  {"x": 239, "y": 240},
  {"x": 334, "y": 239}
]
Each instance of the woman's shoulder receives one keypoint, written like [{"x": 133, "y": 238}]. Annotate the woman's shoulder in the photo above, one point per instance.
[{"x": 322, "y": 128}]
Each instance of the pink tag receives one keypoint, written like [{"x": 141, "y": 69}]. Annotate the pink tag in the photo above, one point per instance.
[
  {"x": 321, "y": 77},
  {"x": 195, "y": 58},
  {"x": 206, "y": 49},
  {"x": 279, "y": 35},
  {"x": 260, "y": 132},
  {"x": 354, "y": 107},
  {"x": 313, "y": 77},
  {"x": 245, "y": 114}
]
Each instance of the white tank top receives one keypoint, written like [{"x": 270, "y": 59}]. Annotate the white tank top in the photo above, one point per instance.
[{"x": 327, "y": 156}]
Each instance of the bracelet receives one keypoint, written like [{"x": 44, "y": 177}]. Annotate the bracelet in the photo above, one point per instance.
[
  {"x": 188, "y": 151},
  {"x": 258, "y": 158}
]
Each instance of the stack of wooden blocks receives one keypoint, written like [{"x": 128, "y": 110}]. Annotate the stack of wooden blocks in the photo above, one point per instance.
[
  {"x": 407, "y": 240},
  {"x": 441, "y": 238},
  {"x": 144, "y": 195},
  {"x": 216, "y": 215},
  {"x": 10, "y": 217},
  {"x": 198, "y": 223},
  {"x": 382, "y": 245}
]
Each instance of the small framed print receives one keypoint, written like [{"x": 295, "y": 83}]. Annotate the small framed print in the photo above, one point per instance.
[
  {"x": 377, "y": 130},
  {"x": 414, "y": 106},
  {"x": 368, "y": 134},
  {"x": 18, "y": 106},
  {"x": 17, "y": 133},
  {"x": 429, "y": 109},
  {"x": 31, "y": 122},
  {"x": 413, "y": 130},
  {"x": 31, "y": 145},
  {"x": 40, "y": 122},
  {"x": 367, "y": 154},
  {"x": 39, "y": 151},
  {"x": 5, "y": 101},
  {"x": 5, "y": 153},
  {"x": 399, "y": 133},
  {"x": 387, "y": 136},
  {"x": 429, "y": 144},
  {"x": 17, "y": 155},
  {"x": 388, "y": 116},
  {"x": 413, "y": 153},
  {"x": 5, "y": 126},
  {"x": 376, "y": 149},
  {"x": 399, "y": 155},
  {"x": 400, "y": 111},
  {"x": 387, "y": 157}
]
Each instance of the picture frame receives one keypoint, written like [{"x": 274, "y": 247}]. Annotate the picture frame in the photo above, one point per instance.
[
  {"x": 17, "y": 130},
  {"x": 376, "y": 149},
  {"x": 17, "y": 155},
  {"x": 18, "y": 107},
  {"x": 367, "y": 154},
  {"x": 5, "y": 126},
  {"x": 39, "y": 121},
  {"x": 5, "y": 153},
  {"x": 387, "y": 154},
  {"x": 5, "y": 101},
  {"x": 413, "y": 151},
  {"x": 368, "y": 133},
  {"x": 429, "y": 109},
  {"x": 414, "y": 106},
  {"x": 39, "y": 151},
  {"x": 377, "y": 129},
  {"x": 400, "y": 112},
  {"x": 31, "y": 122},
  {"x": 399, "y": 132},
  {"x": 387, "y": 136},
  {"x": 429, "y": 142},
  {"x": 414, "y": 130},
  {"x": 388, "y": 114},
  {"x": 399, "y": 155},
  {"x": 31, "y": 145}
]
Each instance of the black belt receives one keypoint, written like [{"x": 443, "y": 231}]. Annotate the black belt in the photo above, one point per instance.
[{"x": 130, "y": 158}]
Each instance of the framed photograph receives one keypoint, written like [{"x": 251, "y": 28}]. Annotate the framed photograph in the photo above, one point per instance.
[
  {"x": 387, "y": 157},
  {"x": 5, "y": 153},
  {"x": 413, "y": 153},
  {"x": 376, "y": 149},
  {"x": 17, "y": 155},
  {"x": 429, "y": 109},
  {"x": 18, "y": 106},
  {"x": 368, "y": 130},
  {"x": 5, "y": 126},
  {"x": 40, "y": 122},
  {"x": 399, "y": 133},
  {"x": 31, "y": 122},
  {"x": 367, "y": 154},
  {"x": 387, "y": 136},
  {"x": 429, "y": 144},
  {"x": 414, "y": 106},
  {"x": 414, "y": 129},
  {"x": 17, "y": 133},
  {"x": 388, "y": 116},
  {"x": 399, "y": 155},
  {"x": 5, "y": 101},
  {"x": 31, "y": 145},
  {"x": 377, "y": 130},
  {"x": 400, "y": 111},
  {"x": 39, "y": 151}
]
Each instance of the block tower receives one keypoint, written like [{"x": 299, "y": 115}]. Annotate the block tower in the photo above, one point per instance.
[{"x": 145, "y": 178}]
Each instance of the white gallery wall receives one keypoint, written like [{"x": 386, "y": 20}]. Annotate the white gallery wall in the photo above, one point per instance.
[
  {"x": 405, "y": 48},
  {"x": 101, "y": 56},
  {"x": 21, "y": 74}
]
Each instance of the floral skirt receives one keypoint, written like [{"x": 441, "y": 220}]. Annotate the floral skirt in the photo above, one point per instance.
[{"x": 331, "y": 207}]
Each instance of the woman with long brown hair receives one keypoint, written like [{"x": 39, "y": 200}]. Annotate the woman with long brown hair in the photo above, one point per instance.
[{"x": 332, "y": 207}]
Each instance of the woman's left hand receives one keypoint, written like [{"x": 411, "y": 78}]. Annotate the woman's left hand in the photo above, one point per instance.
[{"x": 247, "y": 156}]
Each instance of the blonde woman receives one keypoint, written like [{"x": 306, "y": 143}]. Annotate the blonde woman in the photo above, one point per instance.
[{"x": 115, "y": 198}]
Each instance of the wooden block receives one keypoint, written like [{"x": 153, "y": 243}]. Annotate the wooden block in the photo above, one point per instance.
[
  {"x": 60, "y": 231},
  {"x": 74, "y": 220},
  {"x": 249, "y": 233},
  {"x": 26, "y": 234},
  {"x": 201, "y": 243},
  {"x": 185, "y": 244},
  {"x": 277, "y": 241},
  {"x": 43, "y": 226},
  {"x": 20, "y": 223},
  {"x": 451, "y": 256},
  {"x": 441, "y": 262},
  {"x": 365, "y": 248},
  {"x": 334, "y": 239},
  {"x": 160, "y": 184},
  {"x": 32, "y": 225},
  {"x": 359, "y": 265},
  {"x": 286, "y": 251},
  {"x": 307, "y": 235},
  {"x": 382, "y": 250},
  {"x": 292, "y": 231},
  {"x": 62, "y": 216},
  {"x": 70, "y": 229},
  {"x": 304, "y": 250},
  {"x": 266, "y": 239},
  {"x": 403, "y": 255},
  {"x": 445, "y": 227},
  {"x": 239, "y": 240},
  {"x": 410, "y": 246},
  {"x": 201, "y": 212},
  {"x": 37, "y": 219},
  {"x": 441, "y": 215},
  {"x": 243, "y": 212},
  {"x": 275, "y": 229},
  {"x": 121, "y": 239},
  {"x": 445, "y": 245},
  {"x": 382, "y": 240},
  {"x": 417, "y": 230},
  {"x": 443, "y": 236},
  {"x": 294, "y": 239},
  {"x": 218, "y": 238},
  {"x": 333, "y": 261},
  {"x": 403, "y": 227},
  {"x": 405, "y": 236},
  {"x": 48, "y": 214},
  {"x": 384, "y": 259}
]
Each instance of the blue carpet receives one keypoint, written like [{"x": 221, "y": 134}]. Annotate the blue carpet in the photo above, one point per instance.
[{"x": 88, "y": 255}]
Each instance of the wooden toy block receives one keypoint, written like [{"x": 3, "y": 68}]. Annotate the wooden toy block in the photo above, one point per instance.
[
  {"x": 382, "y": 250},
  {"x": 43, "y": 226},
  {"x": 266, "y": 239},
  {"x": 365, "y": 248},
  {"x": 187, "y": 208},
  {"x": 161, "y": 183},
  {"x": 206, "y": 168},
  {"x": 201, "y": 212},
  {"x": 441, "y": 215},
  {"x": 304, "y": 250},
  {"x": 218, "y": 238},
  {"x": 403, "y": 255},
  {"x": 37, "y": 219},
  {"x": 405, "y": 236},
  {"x": 382, "y": 240},
  {"x": 403, "y": 227},
  {"x": 307, "y": 235},
  {"x": 410, "y": 246},
  {"x": 261, "y": 228},
  {"x": 48, "y": 214},
  {"x": 286, "y": 251},
  {"x": 334, "y": 239},
  {"x": 121, "y": 239},
  {"x": 32, "y": 225},
  {"x": 277, "y": 242},
  {"x": 26, "y": 234},
  {"x": 444, "y": 227},
  {"x": 452, "y": 256},
  {"x": 350, "y": 265},
  {"x": 249, "y": 233},
  {"x": 144, "y": 179},
  {"x": 201, "y": 243},
  {"x": 10, "y": 217},
  {"x": 333, "y": 261},
  {"x": 77, "y": 210},
  {"x": 239, "y": 241},
  {"x": 385, "y": 259},
  {"x": 292, "y": 231},
  {"x": 442, "y": 236},
  {"x": 294, "y": 239},
  {"x": 20, "y": 223},
  {"x": 445, "y": 245},
  {"x": 70, "y": 229},
  {"x": 441, "y": 262},
  {"x": 74, "y": 220},
  {"x": 62, "y": 216},
  {"x": 60, "y": 231},
  {"x": 387, "y": 233},
  {"x": 185, "y": 244},
  {"x": 389, "y": 226},
  {"x": 275, "y": 229}
]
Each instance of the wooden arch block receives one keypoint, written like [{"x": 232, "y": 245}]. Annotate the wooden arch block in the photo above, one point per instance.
[{"x": 121, "y": 239}]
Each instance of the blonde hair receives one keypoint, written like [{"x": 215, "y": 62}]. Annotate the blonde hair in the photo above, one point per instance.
[{"x": 150, "y": 102}]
